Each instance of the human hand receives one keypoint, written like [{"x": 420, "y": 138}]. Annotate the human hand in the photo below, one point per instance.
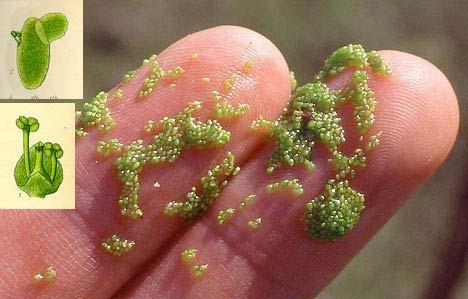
[{"x": 417, "y": 114}]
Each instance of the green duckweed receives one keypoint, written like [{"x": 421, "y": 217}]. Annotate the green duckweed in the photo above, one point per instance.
[
  {"x": 119, "y": 93},
  {"x": 334, "y": 212},
  {"x": 95, "y": 114},
  {"x": 117, "y": 247},
  {"x": 229, "y": 83},
  {"x": 109, "y": 147},
  {"x": 129, "y": 76},
  {"x": 188, "y": 255},
  {"x": 175, "y": 73},
  {"x": 225, "y": 109},
  {"x": 199, "y": 270},
  {"x": 215, "y": 95},
  {"x": 311, "y": 117},
  {"x": 155, "y": 76},
  {"x": 248, "y": 66},
  {"x": 149, "y": 126},
  {"x": 48, "y": 276},
  {"x": 255, "y": 223},
  {"x": 292, "y": 78},
  {"x": 292, "y": 185},
  {"x": 198, "y": 202},
  {"x": 224, "y": 215},
  {"x": 176, "y": 134}
]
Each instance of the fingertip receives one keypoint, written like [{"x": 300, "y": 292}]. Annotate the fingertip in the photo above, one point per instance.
[{"x": 418, "y": 116}]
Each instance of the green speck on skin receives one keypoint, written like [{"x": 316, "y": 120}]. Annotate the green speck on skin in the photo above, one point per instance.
[
  {"x": 129, "y": 76},
  {"x": 198, "y": 270},
  {"x": 38, "y": 277},
  {"x": 255, "y": 223},
  {"x": 225, "y": 109},
  {"x": 292, "y": 77},
  {"x": 149, "y": 126},
  {"x": 155, "y": 76},
  {"x": 117, "y": 247},
  {"x": 109, "y": 147},
  {"x": 95, "y": 113},
  {"x": 224, "y": 215},
  {"x": 188, "y": 255},
  {"x": 175, "y": 73},
  {"x": 215, "y": 95},
  {"x": 119, "y": 93},
  {"x": 80, "y": 132},
  {"x": 229, "y": 83},
  {"x": 248, "y": 66},
  {"x": 293, "y": 185},
  {"x": 250, "y": 198},
  {"x": 374, "y": 141},
  {"x": 49, "y": 275}
]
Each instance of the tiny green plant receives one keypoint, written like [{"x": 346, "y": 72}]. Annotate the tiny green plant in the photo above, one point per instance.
[
  {"x": 188, "y": 254},
  {"x": 33, "y": 51},
  {"x": 116, "y": 246},
  {"x": 49, "y": 275},
  {"x": 198, "y": 270},
  {"x": 38, "y": 172},
  {"x": 292, "y": 185}
]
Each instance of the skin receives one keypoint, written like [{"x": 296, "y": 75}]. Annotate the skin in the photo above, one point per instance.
[{"x": 276, "y": 260}]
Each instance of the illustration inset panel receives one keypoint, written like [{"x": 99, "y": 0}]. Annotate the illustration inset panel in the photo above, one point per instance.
[
  {"x": 37, "y": 167},
  {"x": 41, "y": 49}
]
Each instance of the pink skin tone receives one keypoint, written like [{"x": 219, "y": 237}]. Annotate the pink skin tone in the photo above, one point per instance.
[{"x": 417, "y": 113}]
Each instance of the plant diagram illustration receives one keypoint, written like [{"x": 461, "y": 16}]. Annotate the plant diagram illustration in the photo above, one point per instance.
[
  {"x": 33, "y": 51},
  {"x": 38, "y": 172}
]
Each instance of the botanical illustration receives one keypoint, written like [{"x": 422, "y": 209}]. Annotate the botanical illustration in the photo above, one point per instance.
[
  {"x": 33, "y": 52},
  {"x": 38, "y": 171}
]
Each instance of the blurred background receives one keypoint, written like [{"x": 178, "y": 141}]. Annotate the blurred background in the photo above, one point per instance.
[{"x": 421, "y": 252}]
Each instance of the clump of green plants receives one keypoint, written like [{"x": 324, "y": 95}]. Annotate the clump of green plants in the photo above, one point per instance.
[
  {"x": 174, "y": 135},
  {"x": 33, "y": 51},
  {"x": 156, "y": 75},
  {"x": 255, "y": 223},
  {"x": 292, "y": 185},
  {"x": 188, "y": 256},
  {"x": 38, "y": 172},
  {"x": 311, "y": 117},
  {"x": 95, "y": 114},
  {"x": 334, "y": 212},
  {"x": 109, "y": 147},
  {"x": 116, "y": 246},
  {"x": 225, "y": 215},
  {"x": 225, "y": 109},
  {"x": 211, "y": 185}
]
